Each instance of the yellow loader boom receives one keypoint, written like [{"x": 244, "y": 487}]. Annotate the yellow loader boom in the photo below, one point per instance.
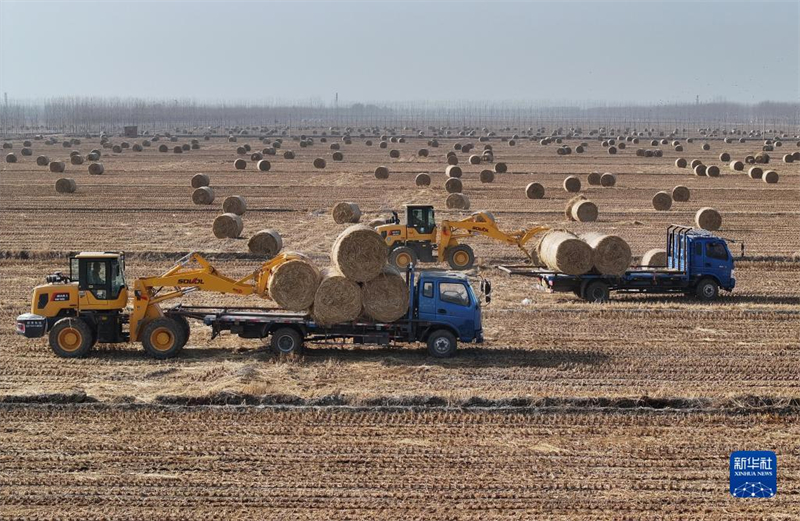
[{"x": 194, "y": 273}]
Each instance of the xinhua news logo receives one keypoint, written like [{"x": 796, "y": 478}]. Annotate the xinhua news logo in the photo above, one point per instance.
[{"x": 754, "y": 474}]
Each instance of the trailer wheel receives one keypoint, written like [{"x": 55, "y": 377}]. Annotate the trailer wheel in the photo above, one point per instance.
[
  {"x": 596, "y": 292},
  {"x": 71, "y": 338},
  {"x": 707, "y": 289},
  {"x": 460, "y": 257},
  {"x": 163, "y": 338},
  {"x": 442, "y": 344},
  {"x": 286, "y": 341}
]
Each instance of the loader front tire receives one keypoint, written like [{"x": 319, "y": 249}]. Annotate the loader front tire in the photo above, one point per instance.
[{"x": 163, "y": 338}]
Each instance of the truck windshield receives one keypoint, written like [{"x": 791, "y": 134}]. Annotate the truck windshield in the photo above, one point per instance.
[{"x": 454, "y": 293}]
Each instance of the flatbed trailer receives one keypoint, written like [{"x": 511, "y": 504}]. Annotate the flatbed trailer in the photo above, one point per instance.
[{"x": 698, "y": 263}]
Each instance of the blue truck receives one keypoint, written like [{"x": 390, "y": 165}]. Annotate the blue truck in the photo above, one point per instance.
[
  {"x": 443, "y": 311},
  {"x": 699, "y": 264}
]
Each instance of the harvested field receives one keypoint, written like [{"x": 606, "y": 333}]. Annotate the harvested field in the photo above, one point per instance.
[
  {"x": 123, "y": 463},
  {"x": 146, "y": 460}
]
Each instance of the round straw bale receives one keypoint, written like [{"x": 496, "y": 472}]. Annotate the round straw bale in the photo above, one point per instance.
[
  {"x": 92, "y": 156},
  {"x": 293, "y": 284},
  {"x": 137, "y": 147},
  {"x": 680, "y": 194},
  {"x": 381, "y": 173},
  {"x": 608, "y": 179},
  {"x": 680, "y": 162},
  {"x": 749, "y": 160},
  {"x": 796, "y": 156},
  {"x": 241, "y": 151},
  {"x": 594, "y": 179},
  {"x": 712, "y": 171},
  {"x": 359, "y": 253},
  {"x": 452, "y": 159},
  {"x": 319, "y": 163},
  {"x": 755, "y": 172},
  {"x": 95, "y": 168},
  {"x": 423, "y": 152},
  {"x": 474, "y": 159},
  {"x": 57, "y": 166},
  {"x": 28, "y": 152},
  {"x": 700, "y": 170},
  {"x": 611, "y": 253},
  {"x": 269, "y": 151},
  {"x": 788, "y": 158},
  {"x": 163, "y": 148},
  {"x": 708, "y": 219},
  {"x": 453, "y": 171},
  {"x": 267, "y": 243},
  {"x": 227, "y": 225},
  {"x": 694, "y": 163},
  {"x": 422, "y": 180},
  {"x": 662, "y": 201},
  {"x": 337, "y": 156},
  {"x": 256, "y": 156},
  {"x": 288, "y": 154},
  {"x": 612, "y": 150},
  {"x": 457, "y": 202},
  {"x": 584, "y": 211},
  {"x": 394, "y": 154},
  {"x": 724, "y": 156},
  {"x": 737, "y": 165},
  {"x": 706, "y": 146},
  {"x": 346, "y": 213},
  {"x": 263, "y": 165},
  {"x": 240, "y": 164},
  {"x": 770, "y": 176},
  {"x": 76, "y": 160},
  {"x": 656, "y": 257},
  {"x": 572, "y": 202},
  {"x": 177, "y": 149},
  {"x": 203, "y": 195},
  {"x": 534, "y": 191},
  {"x": 337, "y": 299},
  {"x": 374, "y": 223},
  {"x": 678, "y": 148},
  {"x": 383, "y": 144},
  {"x": 234, "y": 204},
  {"x": 500, "y": 168},
  {"x": 572, "y": 184},
  {"x": 385, "y": 298},
  {"x": 564, "y": 252},
  {"x": 453, "y": 185},
  {"x": 486, "y": 176},
  {"x": 42, "y": 160},
  {"x": 66, "y": 186}
]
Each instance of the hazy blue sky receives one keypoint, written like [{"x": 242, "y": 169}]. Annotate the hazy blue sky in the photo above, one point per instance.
[{"x": 397, "y": 51}]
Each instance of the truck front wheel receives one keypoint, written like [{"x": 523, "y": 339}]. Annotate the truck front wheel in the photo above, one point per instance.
[
  {"x": 707, "y": 289},
  {"x": 286, "y": 341},
  {"x": 442, "y": 344}
]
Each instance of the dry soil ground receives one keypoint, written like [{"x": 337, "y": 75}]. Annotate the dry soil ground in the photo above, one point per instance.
[{"x": 603, "y": 465}]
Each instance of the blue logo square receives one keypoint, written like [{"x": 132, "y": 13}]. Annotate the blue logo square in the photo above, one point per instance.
[{"x": 754, "y": 474}]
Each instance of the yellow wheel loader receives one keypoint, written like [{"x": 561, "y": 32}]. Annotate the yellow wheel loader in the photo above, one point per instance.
[
  {"x": 421, "y": 240},
  {"x": 94, "y": 304}
]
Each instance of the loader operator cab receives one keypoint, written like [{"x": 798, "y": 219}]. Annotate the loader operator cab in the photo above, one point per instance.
[
  {"x": 421, "y": 218},
  {"x": 101, "y": 274}
]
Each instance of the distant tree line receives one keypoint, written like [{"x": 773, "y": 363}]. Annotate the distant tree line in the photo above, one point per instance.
[{"x": 90, "y": 114}]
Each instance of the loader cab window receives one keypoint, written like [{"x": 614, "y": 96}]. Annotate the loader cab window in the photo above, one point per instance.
[
  {"x": 97, "y": 278},
  {"x": 716, "y": 250},
  {"x": 421, "y": 219},
  {"x": 117, "y": 277},
  {"x": 74, "y": 270}
]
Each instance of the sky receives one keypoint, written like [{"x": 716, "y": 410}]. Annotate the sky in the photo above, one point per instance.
[{"x": 615, "y": 52}]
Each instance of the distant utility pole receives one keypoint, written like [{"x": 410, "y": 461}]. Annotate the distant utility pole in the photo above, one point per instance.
[
  {"x": 5, "y": 111},
  {"x": 697, "y": 99}
]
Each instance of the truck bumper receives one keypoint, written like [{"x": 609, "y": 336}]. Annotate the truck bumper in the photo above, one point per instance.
[
  {"x": 31, "y": 326},
  {"x": 479, "y": 336}
]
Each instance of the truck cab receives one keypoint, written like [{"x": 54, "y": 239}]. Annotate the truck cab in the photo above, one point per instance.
[
  {"x": 701, "y": 256},
  {"x": 447, "y": 298}
]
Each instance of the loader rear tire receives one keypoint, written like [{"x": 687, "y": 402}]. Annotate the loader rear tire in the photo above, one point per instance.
[
  {"x": 286, "y": 341},
  {"x": 71, "y": 338},
  {"x": 163, "y": 338}
]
